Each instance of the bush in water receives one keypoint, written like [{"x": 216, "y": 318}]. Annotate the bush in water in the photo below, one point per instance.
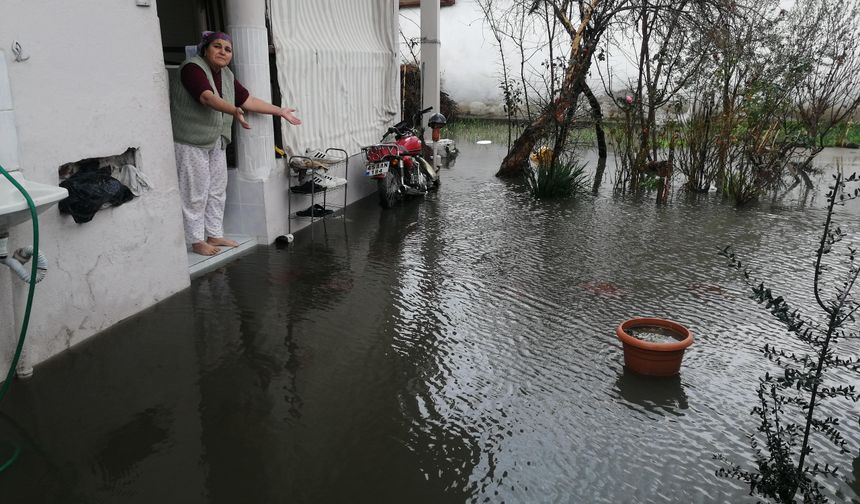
[
  {"x": 789, "y": 405},
  {"x": 547, "y": 179}
]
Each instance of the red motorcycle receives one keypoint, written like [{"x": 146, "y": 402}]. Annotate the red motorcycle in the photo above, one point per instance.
[{"x": 399, "y": 166}]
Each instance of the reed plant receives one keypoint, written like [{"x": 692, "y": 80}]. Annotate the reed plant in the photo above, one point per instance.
[
  {"x": 556, "y": 179},
  {"x": 740, "y": 184}
]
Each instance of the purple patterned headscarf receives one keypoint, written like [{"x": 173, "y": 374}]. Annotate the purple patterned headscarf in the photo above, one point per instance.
[{"x": 208, "y": 37}]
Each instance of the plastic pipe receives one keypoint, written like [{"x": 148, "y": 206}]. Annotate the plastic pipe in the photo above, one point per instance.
[
  {"x": 19, "y": 259},
  {"x": 22, "y": 321}
]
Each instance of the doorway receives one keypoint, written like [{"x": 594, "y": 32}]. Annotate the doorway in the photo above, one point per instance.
[{"x": 181, "y": 23}]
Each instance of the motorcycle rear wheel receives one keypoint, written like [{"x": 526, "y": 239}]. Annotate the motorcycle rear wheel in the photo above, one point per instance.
[{"x": 389, "y": 190}]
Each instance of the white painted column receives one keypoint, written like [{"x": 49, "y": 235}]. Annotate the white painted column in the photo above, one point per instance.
[
  {"x": 246, "y": 23},
  {"x": 430, "y": 46}
]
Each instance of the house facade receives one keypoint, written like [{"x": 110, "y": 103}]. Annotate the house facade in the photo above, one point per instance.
[{"x": 89, "y": 80}]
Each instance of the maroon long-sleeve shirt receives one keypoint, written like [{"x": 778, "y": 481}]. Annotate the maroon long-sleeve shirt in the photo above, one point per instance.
[{"x": 195, "y": 81}]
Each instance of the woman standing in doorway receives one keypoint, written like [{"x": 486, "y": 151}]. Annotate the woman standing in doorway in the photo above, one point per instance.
[{"x": 204, "y": 101}]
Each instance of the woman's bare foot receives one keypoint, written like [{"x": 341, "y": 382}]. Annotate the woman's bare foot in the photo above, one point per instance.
[
  {"x": 204, "y": 248},
  {"x": 221, "y": 242}
]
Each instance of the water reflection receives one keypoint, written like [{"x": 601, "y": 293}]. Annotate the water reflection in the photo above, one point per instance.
[
  {"x": 132, "y": 443},
  {"x": 655, "y": 394},
  {"x": 458, "y": 348},
  {"x": 409, "y": 247},
  {"x": 854, "y": 478}
]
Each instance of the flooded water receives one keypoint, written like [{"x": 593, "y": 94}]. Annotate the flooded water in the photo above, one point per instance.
[
  {"x": 460, "y": 348},
  {"x": 654, "y": 334}
]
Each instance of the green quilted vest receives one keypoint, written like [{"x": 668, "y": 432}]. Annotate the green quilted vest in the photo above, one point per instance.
[{"x": 194, "y": 123}]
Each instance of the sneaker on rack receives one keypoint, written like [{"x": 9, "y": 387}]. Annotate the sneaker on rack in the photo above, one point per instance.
[
  {"x": 320, "y": 156},
  {"x": 334, "y": 181},
  {"x": 323, "y": 180}
]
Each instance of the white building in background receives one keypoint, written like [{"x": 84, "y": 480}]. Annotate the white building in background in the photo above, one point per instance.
[
  {"x": 470, "y": 64},
  {"x": 471, "y": 67},
  {"x": 91, "y": 81}
]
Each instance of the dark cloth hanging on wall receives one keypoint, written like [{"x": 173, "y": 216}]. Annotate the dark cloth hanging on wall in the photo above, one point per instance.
[{"x": 90, "y": 189}]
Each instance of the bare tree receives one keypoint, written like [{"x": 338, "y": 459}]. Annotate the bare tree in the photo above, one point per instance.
[
  {"x": 585, "y": 22},
  {"x": 594, "y": 17},
  {"x": 829, "y": 94},
  {"x": 665, "y": 32}
]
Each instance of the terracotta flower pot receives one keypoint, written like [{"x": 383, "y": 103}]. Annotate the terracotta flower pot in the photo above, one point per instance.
[{"x": 649, "y": 358}]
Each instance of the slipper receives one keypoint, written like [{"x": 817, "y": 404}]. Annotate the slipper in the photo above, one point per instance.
[
  {"x": 307, "y": 188},
  {"x": 314, "y": 211}
]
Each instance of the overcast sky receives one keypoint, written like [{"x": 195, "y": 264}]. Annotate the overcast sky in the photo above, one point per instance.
[
  {"x": 471, "y": 69},
  {"x": 470, "y": 62}
]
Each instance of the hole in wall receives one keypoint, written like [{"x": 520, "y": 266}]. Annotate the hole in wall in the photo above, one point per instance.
[
  {"x": 115, "y": 164},
  {"x": 99, "y": 182}
]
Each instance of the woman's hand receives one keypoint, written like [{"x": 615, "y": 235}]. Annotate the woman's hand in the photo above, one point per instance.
[
  {"x": 287, "y": 113},
  {"x": 239, "y": 115}
]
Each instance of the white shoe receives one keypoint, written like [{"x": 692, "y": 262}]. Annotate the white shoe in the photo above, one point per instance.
[
  {"x": 323, "y": 181},
  {"x": 338, "y": 181},
  {"x": 332, "y": 181},
  {"x": 320, "y": 156}
]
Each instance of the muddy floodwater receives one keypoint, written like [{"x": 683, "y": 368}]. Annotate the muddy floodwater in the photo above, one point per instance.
[{"x": 459, "y": 348}]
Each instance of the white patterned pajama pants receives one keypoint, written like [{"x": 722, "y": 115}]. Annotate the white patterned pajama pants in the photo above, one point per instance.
[{"x": 203, "y": 189}]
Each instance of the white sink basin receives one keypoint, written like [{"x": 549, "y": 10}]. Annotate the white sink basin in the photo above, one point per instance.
[{"x": 13, "y": 206}]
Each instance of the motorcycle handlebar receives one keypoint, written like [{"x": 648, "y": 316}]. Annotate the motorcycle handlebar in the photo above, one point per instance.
[{"x": 428, "y": 109}]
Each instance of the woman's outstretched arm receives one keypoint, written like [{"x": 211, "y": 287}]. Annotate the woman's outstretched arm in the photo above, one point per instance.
[{"x": 254, "y": 104}]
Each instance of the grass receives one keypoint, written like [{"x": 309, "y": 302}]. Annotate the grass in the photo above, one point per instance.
[
  {"x": 496, "y": 130},
  {"x": 472, "y": 130},
  {"x": 843, "y": 135}
]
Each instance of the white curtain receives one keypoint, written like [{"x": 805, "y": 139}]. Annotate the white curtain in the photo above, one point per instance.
[{"x": 338, "y": 64}]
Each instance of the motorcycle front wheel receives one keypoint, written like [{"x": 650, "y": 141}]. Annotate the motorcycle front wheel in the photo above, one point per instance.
[
  {"x": 389, "y": 189},
  {"x": 433, "y": 181}
]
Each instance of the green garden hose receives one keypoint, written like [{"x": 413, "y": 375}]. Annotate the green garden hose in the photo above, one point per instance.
[{"x": 26, "y": 320}]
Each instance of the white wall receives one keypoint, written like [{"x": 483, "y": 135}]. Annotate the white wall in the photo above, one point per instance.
[
  {"x": 470, "y": 62},
  {"x": 94, "y": 85}
]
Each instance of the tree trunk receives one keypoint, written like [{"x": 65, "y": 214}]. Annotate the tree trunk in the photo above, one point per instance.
[
  {"x": 582, "y": 46},
  {"x": 518, "y": 155},
  {"x": 597, "y": 117},
  {"x": 644, "y": 125}
]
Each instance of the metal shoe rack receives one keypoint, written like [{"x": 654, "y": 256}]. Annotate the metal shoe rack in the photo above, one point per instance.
[{"x": 314, "y": 167}]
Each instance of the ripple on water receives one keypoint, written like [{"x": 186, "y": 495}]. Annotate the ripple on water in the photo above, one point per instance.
[
  {"x": 532, "y": 297},
  {"x": 456, "y": 349}
]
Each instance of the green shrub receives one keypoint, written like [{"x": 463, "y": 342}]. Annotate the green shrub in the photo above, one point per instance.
[
  {"x": 559, "y": 179},
  {"x": 740, "y": 185},
  {"x": 649, "y": 182},
  {"x": 788, "y": 462}
]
